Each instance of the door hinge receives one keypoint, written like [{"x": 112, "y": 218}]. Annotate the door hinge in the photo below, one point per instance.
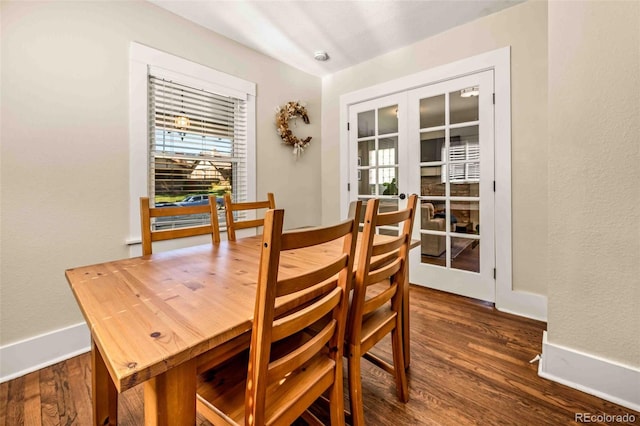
[
  {"x": 494, "y": 98},
  {"x": 348, "y": 187},
  {"x": 494, "y": 186},
  {"x": 348, "y": 126},
  {"x": 494, "y": 273}
]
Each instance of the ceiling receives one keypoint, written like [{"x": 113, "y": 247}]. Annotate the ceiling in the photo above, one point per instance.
[{"x": 349, "y": 31}]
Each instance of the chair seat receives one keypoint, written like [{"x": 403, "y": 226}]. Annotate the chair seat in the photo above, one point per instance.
[{"x": 221, "y": 391}]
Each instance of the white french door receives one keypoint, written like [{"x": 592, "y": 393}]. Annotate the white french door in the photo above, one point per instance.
[
  {"x": 451, "y": 142},
  {"x": 378, "y": 149},
  {"x": 436, "y": 141}
]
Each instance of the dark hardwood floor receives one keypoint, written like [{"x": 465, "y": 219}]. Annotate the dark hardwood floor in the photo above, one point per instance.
[{"x": 469, "y": 365}]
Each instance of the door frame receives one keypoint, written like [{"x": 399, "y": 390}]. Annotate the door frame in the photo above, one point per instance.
[{"x": 507, "y": 299}]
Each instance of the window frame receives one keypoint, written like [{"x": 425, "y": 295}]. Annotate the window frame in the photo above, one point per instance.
[{"x": 142, "y": 60}]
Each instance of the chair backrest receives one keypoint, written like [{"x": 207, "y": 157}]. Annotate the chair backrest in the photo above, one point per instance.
[
  {"x": 149, "y": 235},
  {"x": 290, "y": 302},
  {"x": 231, "y": 207},
  {"x": 381, "y": 261}
]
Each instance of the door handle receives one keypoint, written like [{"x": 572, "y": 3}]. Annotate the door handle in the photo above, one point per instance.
[{"x": 402, "y": 196}]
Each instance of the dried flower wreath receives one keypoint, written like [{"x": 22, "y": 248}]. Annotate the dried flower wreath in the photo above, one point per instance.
[{"x": 283, "y": 115}]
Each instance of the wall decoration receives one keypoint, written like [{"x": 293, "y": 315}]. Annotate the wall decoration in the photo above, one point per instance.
[{"x": 292, "y": 110}]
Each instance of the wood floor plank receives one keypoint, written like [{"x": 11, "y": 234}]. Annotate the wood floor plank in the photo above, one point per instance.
[
  {"x": 469, "y": 365},
  {"x": 15, "y": 402},
  {"x": 79, "y": 379},
  {"x": 49, "y": 397},
  {"x": 32, "y": 414},
  {"x": 4, "y": 398}
]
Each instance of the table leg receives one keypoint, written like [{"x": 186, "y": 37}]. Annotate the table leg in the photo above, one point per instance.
[
  {"x": 104, "y": 394},
  {"x": 170, "y": 398}
]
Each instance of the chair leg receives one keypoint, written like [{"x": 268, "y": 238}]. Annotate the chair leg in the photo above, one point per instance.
[
  {"x": 355, "y": 389},
  {"x": 397, "y": 343},
  {"x": 336, "y": 397}
]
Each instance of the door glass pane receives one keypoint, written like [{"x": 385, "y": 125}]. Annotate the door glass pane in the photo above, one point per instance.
[
  {"x": 465, "y": 216},
  {"x": 464, "y": 155},
  {"x": 387, "y": 231},
  {"x": 466, "y": 189},
  {"x": 432, "y": 112},
  {"x": 387, "y": 177},
  {"x": 365, "y": 186},
  {"x": 366, "y": 124},
  {"x": 465, "y": 254},
  {"x": 431, "y": 146},
  {"x": 388, "y": 120},
  {"x": 431, "y": 181},
  {"x": 432, "y": 217},
  {"x": 433, "y": 249},
  {"x": 366, "y": 153},
  {"x": 388, "y": 205},
  {"x": 388, "y": 151},
  {"x": 463, "y": 108},
  {"x": 466, "y": 138}
]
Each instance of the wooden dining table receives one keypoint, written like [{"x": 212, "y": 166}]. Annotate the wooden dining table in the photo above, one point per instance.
[{"x": 156, "y": 319}]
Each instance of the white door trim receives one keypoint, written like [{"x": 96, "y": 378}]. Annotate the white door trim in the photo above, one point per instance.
[{"x": 507, "y": 299}]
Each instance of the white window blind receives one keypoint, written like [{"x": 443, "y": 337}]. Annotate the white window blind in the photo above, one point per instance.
[
  {"x": 464, "y": 162},
  {"x": 198, "y": 147}
]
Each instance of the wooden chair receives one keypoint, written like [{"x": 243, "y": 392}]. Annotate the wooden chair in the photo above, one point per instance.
[
  {"x": 376, "y": 305},
  {"x": 289, "y": 365},
  {"x": 149, "y": 235},
  {"x": 230, "y": 207}
]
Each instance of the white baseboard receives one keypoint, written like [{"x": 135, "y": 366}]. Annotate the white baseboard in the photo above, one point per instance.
[
  {"x": 601, "y": 377},
  {"x": 522, "y": 303},
  {"x": 26, "y": 356}
]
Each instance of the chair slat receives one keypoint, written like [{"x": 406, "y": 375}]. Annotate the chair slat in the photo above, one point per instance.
[
  {"x": 178, "y": 211},
  {"x": 150, "y": 235},
  {"x": 379, "y": 261},
  {"x": 290, "y": 324},
  {"x": 378, "y": 300},
  {"x": 170, "y": 234},
  {"x": 384, "y": 272},
  {"x": 315, "y": 236},
  {"x": 388, "y": 246},
  {"x": 253, "y": 223},
  {"x": 302, "y": 354},
  {"x": 295, "y": 284},
  {"x": 392, "y": 218},
  {"x": 250, "y": 205},
  {"x": 233, "y": 224}
]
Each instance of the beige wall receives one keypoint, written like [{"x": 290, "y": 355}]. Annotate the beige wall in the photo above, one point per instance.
[
  {"x": 524, "y": 28},
  {"x": 594, "y": 178},
  {"x": 64, "y": 142}
]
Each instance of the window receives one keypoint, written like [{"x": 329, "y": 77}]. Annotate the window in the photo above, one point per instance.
[
  {"x": 197, "y": 147},
  {"x": 191, "y": 134}
]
